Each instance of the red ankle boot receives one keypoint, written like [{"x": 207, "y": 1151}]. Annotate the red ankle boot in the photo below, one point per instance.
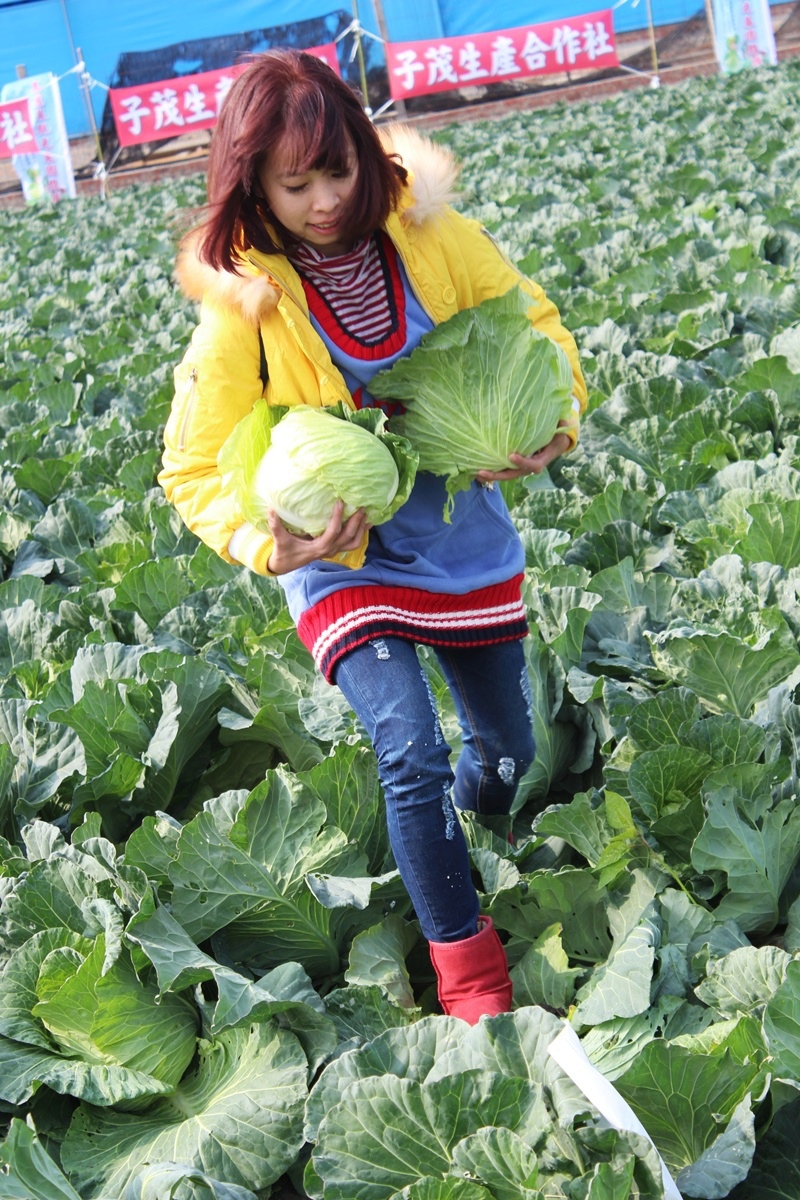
[{"x": 473, "y": 974}]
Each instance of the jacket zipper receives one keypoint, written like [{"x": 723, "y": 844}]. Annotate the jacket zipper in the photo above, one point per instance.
[
  {"x": 190, "y": 403},
  {"x": 283, "y": 286}
]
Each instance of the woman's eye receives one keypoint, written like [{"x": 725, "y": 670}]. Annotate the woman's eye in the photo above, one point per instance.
[{"x": 298, "y": 187}]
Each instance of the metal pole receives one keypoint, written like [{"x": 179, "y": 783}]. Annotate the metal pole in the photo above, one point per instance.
[
  {"x": 69, "y": 30},
  {"x": 653, "y": 52},
  {"x": 383, "y": 30},
  {"x": 362, "y": 70},
  {"x": 711, "y": 27},
  {"x": 84, "y": 78},
  {"x": 84, "y": 85}
]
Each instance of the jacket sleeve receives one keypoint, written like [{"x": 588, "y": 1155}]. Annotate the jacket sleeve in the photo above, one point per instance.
[{"x": 216, "y": 385}]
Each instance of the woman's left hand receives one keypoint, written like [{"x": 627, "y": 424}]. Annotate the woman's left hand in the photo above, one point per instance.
[{"x": 528, "y": 464}]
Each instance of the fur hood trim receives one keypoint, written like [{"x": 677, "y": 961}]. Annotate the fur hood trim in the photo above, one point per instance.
[
  {"x": 432, "y": 168},
  {"x": 433, "y": 175}
]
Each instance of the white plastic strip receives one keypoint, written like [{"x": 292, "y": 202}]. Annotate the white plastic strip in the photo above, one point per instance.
[{"x": 570, "y": 1055}]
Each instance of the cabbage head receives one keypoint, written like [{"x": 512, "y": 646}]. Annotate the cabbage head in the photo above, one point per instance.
[
  {"x": 75, "y": 1015},
  {"x": 480, "y": 386},
  {"x": 299, "y": 461}
]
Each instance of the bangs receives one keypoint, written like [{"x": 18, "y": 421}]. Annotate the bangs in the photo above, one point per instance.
[{"x": 314, "y": 136}]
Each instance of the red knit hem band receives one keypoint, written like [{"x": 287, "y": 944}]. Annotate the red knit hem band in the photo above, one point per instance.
[{"x": 352, "y": 616}]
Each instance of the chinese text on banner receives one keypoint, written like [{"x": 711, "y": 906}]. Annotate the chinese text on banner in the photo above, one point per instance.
[
  {"x": 149, "y": 112},
  {"x": 45, "y": 170},
  {"x": 743, "y": 35},
  {"x": 16, "y": 129},
  {"x": 549, "y": 48}
]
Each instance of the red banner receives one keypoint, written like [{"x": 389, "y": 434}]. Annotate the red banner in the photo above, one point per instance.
[
  {"x": 16, "y": 129},
  {"x": 574, "y": 44},
  {"x": 152, "y": 111}
]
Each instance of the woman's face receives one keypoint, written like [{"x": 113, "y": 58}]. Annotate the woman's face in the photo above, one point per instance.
[{"x": 310, "y": 204}]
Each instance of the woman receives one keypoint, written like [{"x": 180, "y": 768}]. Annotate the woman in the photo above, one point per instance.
[{"x": 326, "y": 255}]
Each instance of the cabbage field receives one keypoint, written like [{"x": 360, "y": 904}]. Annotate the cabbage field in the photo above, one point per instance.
[{"x": 212, "y": 986}]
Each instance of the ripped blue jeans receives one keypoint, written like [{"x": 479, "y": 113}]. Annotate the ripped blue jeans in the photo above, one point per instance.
[{"x": 385, "y": 685}]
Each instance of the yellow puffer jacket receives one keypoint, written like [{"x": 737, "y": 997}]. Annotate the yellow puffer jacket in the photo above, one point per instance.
[{"x": 452, "y": 264}]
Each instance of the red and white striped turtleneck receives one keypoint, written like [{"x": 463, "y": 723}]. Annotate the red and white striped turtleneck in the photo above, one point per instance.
[{"x": 357, "y": 287}]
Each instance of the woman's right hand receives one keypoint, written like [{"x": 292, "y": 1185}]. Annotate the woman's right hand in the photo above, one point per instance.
[{"x": 292, "y": 551}]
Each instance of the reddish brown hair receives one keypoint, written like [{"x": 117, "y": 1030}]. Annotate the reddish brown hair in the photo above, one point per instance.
[{"x": 294, "y": 99}]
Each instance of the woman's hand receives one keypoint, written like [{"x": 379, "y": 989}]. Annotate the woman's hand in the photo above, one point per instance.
[
  {"x": 292, "y": 551},
  {"x": 529, "y": 464}
]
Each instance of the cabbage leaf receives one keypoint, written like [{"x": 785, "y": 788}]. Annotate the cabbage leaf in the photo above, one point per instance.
[
  {"x": 299, "y": 461},
  {"x": 482, "y": 385}
]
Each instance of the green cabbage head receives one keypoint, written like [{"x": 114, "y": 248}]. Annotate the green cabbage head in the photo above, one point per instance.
[
  {"x": 299, "y": 461},
  {"x": 480, "y": 386}
]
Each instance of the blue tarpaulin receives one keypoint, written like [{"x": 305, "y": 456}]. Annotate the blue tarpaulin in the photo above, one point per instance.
[
  {"x": 44, "y": 35},
  {"x": 461, "y": 17}
]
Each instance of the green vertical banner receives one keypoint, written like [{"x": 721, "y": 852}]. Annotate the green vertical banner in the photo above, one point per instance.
[
  {"x": 45, "y": 174},
  {"x": 743, "y": 35}
]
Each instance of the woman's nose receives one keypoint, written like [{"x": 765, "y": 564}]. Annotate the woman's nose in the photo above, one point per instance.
[{"x": 325, "y": 197}]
